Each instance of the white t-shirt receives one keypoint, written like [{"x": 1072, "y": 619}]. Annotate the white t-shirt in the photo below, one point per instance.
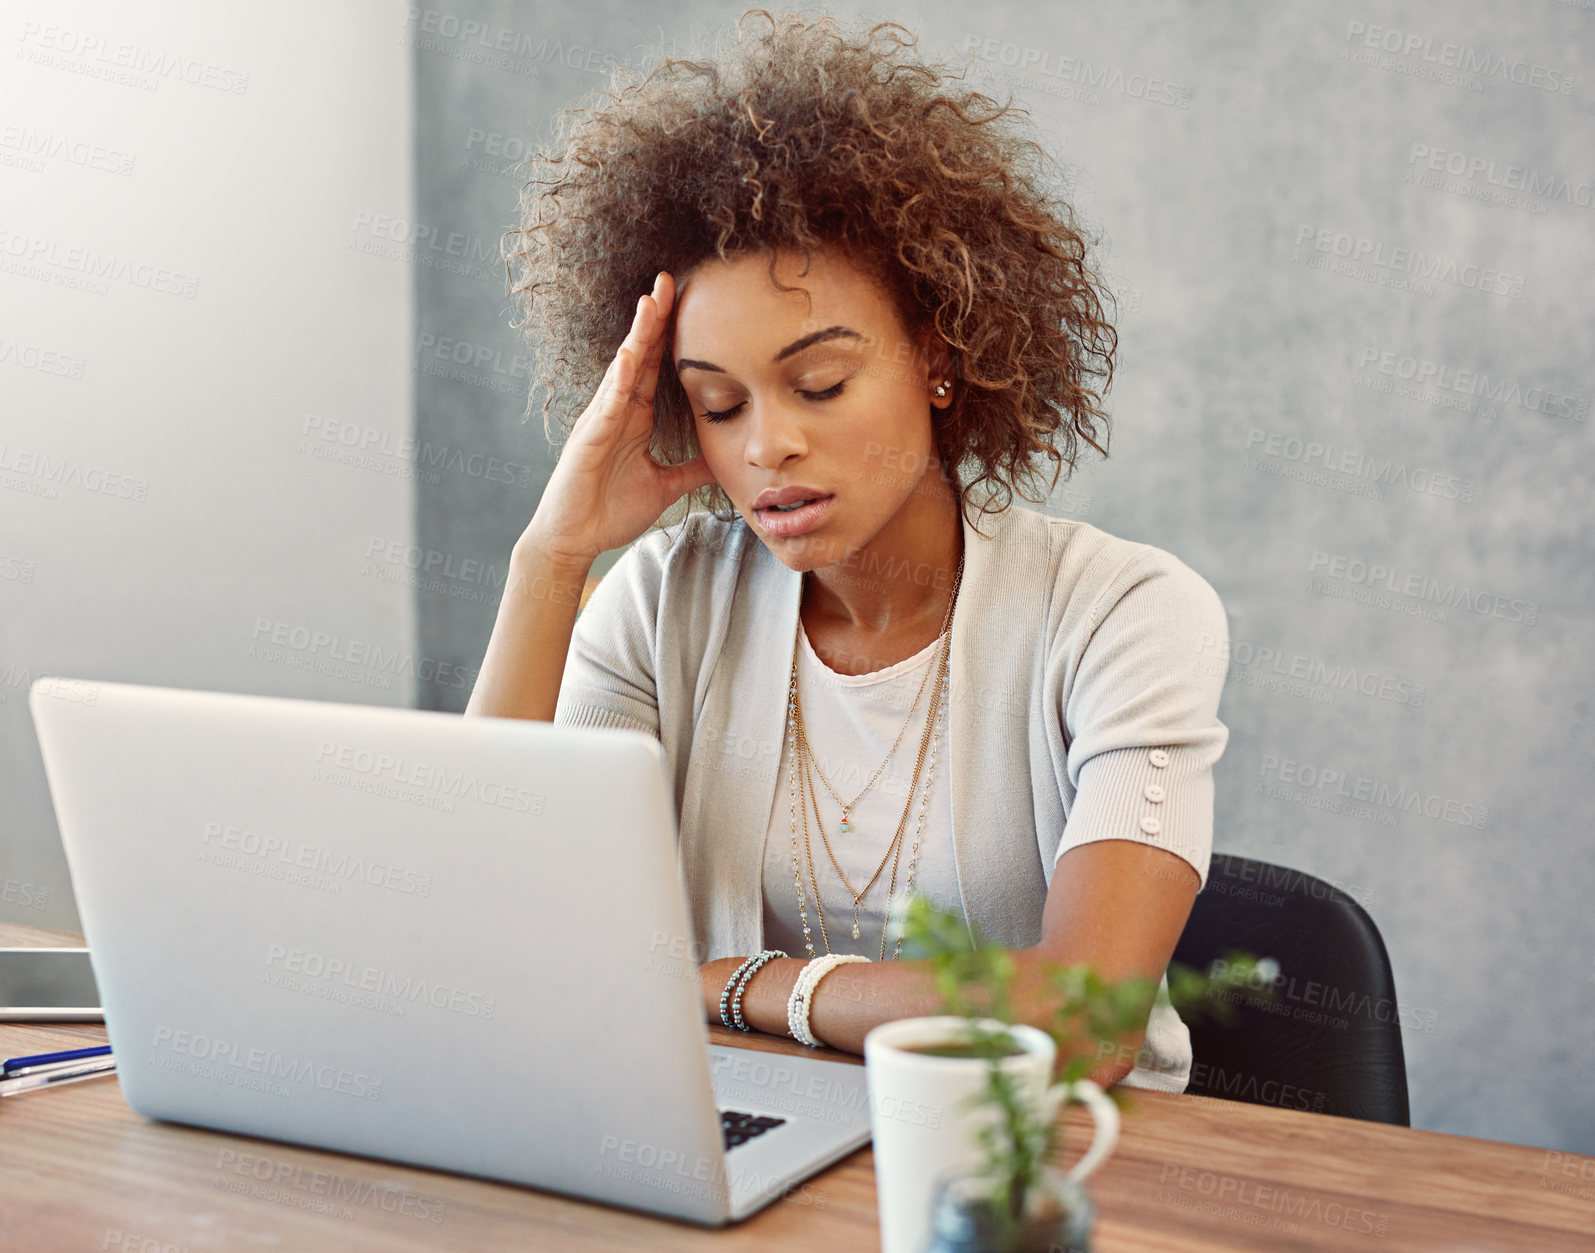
[{"x": 850, "y": 722}]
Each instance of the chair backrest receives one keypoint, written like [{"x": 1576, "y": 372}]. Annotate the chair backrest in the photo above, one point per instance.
[{"x": 1330, "y": 1039}]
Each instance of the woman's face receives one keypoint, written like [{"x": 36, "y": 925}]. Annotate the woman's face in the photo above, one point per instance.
[{"x": 823, "y": 398}]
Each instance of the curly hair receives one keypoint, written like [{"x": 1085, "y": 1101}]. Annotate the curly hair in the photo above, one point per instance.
[{"x": 801, "y": 140}]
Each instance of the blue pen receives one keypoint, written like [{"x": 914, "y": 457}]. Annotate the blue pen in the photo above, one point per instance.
[
  {"x": 31, "y": 1078},
  {"x": 16, "y": 1066}
]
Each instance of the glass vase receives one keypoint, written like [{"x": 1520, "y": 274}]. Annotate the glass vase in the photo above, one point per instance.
[{"x": 1057, "y": 1218}]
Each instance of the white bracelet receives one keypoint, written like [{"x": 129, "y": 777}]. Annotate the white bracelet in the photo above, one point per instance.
[{"x": 797, "y": 1006}]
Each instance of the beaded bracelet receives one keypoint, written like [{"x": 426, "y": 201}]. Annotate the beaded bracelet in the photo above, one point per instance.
[
  {"x": 731, "y": 983},
  {"x": 753, "y": 968},
  {"x": 802, "y": 998}
]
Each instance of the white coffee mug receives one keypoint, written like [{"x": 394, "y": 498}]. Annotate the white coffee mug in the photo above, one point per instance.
[{"x": 925, "y": 1128}]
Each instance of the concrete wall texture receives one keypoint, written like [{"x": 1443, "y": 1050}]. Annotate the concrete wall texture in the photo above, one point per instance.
[{"x": 1354, "y": 392}]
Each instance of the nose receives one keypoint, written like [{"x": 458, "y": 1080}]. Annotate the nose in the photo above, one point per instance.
[{"x": 774, "y": 434}]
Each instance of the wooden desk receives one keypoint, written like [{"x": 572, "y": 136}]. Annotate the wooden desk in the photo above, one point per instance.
[{"x": 80, "y": 1171}]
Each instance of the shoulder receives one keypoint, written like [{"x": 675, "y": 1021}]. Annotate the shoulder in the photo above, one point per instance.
[
  {"x": 1063, "y": 550},
  {"x": 698, "y": 562},
  {"x": 1136, "y": 643},
  {"x": 1092, "y": 576},
  {"x": 700, "y": 548},
  {"x": 1164, "y": 587},
  {"x": 684, "y": 575}
]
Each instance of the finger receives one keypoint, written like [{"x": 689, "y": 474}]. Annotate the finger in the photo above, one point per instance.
[
  {"x": 600, "y": 404},
  {"x": 613, "y": 396},
  {"x": 647, "y": 337},
  {"x": 637, "y": 344},
  {"x": 618, "y": 402},
  {"x": 663, "y": 297},
  {"x": 681, "y": 479},
  {"x": 636, "y": 337},
  {"x": 609, "y": 399}
]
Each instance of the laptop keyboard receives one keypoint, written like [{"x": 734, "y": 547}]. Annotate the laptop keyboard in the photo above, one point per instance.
[{"x": 737, "y": 1128}]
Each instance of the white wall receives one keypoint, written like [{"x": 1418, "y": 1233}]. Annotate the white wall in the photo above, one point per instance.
[{"x": 185, "y": 190}]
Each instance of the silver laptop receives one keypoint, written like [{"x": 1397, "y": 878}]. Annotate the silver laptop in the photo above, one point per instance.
[{"x": 461, "y": 943}]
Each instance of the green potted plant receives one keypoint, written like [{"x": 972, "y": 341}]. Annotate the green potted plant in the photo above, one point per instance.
[{"x": 1006, "y": 1196}]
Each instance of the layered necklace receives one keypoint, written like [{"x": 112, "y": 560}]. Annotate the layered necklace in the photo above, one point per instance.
[{"x": 802, "y": 762}]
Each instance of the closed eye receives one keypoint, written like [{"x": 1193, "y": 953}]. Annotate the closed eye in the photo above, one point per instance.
[{"x": 830, "y": 393}]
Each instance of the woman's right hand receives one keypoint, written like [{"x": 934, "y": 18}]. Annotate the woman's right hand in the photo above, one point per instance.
[{"x": 606, "y": 488}]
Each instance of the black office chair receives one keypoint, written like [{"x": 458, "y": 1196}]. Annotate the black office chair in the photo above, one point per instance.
[{"x": 1330, "y": 1040}]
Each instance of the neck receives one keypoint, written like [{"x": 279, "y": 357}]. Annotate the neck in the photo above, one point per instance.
[{"x": 902, "y": 577}]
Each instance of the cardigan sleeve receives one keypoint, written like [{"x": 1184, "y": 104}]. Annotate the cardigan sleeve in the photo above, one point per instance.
[
  {"x": 1141, "y": 714},
  {"x": 609, "y": 678}
]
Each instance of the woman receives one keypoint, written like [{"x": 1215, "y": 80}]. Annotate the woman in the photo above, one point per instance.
[{"x": 871, "y": 676}]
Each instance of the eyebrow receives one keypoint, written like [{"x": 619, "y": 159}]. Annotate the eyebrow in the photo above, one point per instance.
[{"x": 795, "y": 347}]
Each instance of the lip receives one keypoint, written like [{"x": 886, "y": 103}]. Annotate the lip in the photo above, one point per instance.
[
  {"x": 796, "y": 521},
  {"x": 786, "y": 495}
]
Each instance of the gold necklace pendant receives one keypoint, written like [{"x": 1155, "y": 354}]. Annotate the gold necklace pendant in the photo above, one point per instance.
[{"x": 845, "y": 828}]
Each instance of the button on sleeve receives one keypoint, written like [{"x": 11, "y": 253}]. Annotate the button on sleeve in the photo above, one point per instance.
[{"x": 1141, "y": 713}]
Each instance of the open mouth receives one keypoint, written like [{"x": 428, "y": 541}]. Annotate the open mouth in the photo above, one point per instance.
[{"x": 794, "y": 518}]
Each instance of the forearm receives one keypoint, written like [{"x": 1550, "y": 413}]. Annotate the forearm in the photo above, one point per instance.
[
  {"x": 850, "y": 1001},
  {"x": 525, "y": 659},
  {"x": 857, "y": 997},
  {"x": 1035, "y": 1000}
]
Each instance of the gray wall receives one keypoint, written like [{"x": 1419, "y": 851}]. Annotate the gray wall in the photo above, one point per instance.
[
  {"x": 204, "y": 375},
  {"x": 1286, "y": 423}
]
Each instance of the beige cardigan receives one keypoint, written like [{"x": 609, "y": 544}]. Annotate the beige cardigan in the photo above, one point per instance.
[{"x": 1083, "y": 706}]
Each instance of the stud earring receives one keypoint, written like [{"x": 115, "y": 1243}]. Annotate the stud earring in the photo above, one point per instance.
[{"x": 941, "y": 388}]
